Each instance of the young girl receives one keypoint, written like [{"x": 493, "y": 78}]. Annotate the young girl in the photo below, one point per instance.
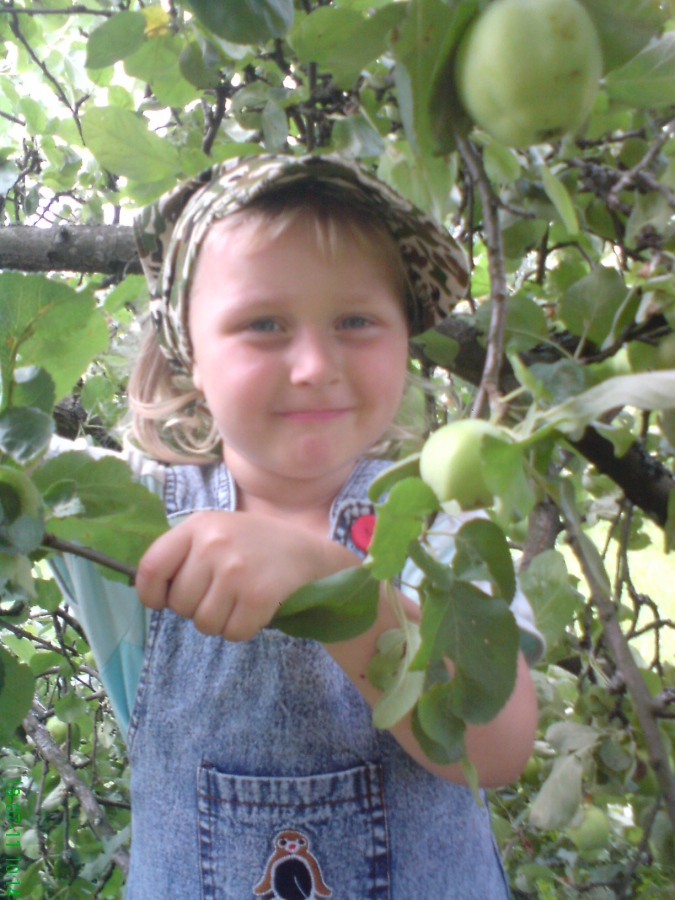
[{"x": 284, "y": 292}]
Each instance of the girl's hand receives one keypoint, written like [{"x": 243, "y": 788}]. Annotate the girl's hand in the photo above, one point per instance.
[{"x": 230, "y": 571}]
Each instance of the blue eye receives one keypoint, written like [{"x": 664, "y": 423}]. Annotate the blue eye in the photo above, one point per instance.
[
  {"x": 264, "y": 326},
  {"x": 356, "y": 322}
]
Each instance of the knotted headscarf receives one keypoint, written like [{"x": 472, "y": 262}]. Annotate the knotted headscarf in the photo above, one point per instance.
[{"x": 169, "y": 234}]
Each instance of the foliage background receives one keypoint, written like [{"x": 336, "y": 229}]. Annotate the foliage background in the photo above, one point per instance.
[{"x": 105, "y": 105}]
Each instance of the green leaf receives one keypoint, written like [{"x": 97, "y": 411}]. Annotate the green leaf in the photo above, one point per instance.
[
  {"x": 65, "y": 339},
  {"x": 553, "y": 599},
  {"x": 426, "y": 181},
  {"x": 122, "y": 142},
  {"x": 423, "y": 46},
  {"x": 525, "y": 325},
  {"x": 560, "y": 795},
  {"x": 195, "y": 70},
  {"x": 354, "y": 136},
  {"x": 648, "y": 80},
  {"x": 479, "y": 634},
  {"x": 244, "y": 21},
  {"x": 21, "y": 517},
  {"x": 70, "y": 707},
  {"x": 482, "y": 553},
  {"x": 505, "y": 476},
  {"x": 591, "y": 306},
  {"x": 403, "y": 687},
  {"x": 275, "y": 127},
  {"x": 16, "y": 693},
  {"x": 336, "y": 608},
  {"x": 404, "y": 468},
  {"x": 157, "y": 62},
  {"x": 625, "y": 26},
  {"x": 38, "y": 312},
  {"x": 33, "y": 386},
  {"x": 437, "y": 719},
  {"x": 24, "y": 433},
  {"x": 9, "y": 172},
  {"x": 438, "y": 348},
  {"x": 342, "y": 41},
  {"x": 560, "y": 198},
  {"x": 435, "y": 751},
  {"x": 400, "y": 520},
  {"x": 117, "y": 516},
  {"x": 116, "y": 39},
  {"x": 501, "y": 164},
  {"x": 646, "y": 390}
]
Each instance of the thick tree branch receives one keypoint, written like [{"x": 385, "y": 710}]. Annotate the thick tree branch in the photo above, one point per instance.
[
  {"x": 644, "y": 480},
  {"x": 101, "y": 249}
]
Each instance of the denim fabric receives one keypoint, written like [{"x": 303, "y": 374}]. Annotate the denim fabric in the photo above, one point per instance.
[{"x": 256, "y": 771}]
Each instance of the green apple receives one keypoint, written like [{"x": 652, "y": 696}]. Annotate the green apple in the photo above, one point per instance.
[
  {"x": 452, "y": 465},
  {"x": 594, "y": 832},
  {"x": 527, "y": 71},
  {"x": 59, "y": 731},
  {"x": 665, "y": 353}
]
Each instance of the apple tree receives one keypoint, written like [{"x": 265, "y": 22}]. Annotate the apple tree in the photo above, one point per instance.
[{"x": 542, "y": 134}]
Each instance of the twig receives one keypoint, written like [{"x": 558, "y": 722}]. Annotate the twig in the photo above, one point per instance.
[
  {"x": 55, "y": 543},
  {"x": 489, "y": 385},
  {"x": 16, "y": 31},
  {"x": 16, "y": 119},
  {"x": 214, "y": 120},
  {"x": 629, "y": 177},
  {"x": 642, "y": 699},
  {"x": 50, "y": 751},
  {"x": 77, "y": 10}
]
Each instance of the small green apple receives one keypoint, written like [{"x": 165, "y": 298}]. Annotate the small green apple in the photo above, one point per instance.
[
  {"x": 665, "y": 353},
  {"x": 527, "y": 71},
  {"x": 452, "y": 465},
  {"x": 594, "y": 832}
]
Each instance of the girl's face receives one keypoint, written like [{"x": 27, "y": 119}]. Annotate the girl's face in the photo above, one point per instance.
[{"x": 302, "y": 359}]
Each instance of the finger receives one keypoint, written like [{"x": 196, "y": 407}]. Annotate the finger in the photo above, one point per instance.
[
  {"x": 213, "y": 611},
  {"x": 159, "y": 564},
  {"x": 188, "y": 587}
]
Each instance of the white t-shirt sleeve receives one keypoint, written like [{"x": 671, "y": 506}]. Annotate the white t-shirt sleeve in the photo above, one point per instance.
[{"x": 441, "y": 539}]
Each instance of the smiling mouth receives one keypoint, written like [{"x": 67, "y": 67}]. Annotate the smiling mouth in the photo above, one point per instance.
[{"x": 315, "y": 415}]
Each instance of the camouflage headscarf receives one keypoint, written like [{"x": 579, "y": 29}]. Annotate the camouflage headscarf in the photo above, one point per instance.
[{"x": 170, "y": 232}]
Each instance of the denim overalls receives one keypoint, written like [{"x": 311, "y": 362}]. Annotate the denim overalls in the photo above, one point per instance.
[{"x": 256, "y": 771}]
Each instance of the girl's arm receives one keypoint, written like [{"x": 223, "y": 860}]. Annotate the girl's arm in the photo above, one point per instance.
[
  {"x": 498, "y": 750},
  {"x": 229, "y": 572}
]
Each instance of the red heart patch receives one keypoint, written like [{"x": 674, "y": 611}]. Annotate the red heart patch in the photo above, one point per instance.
[{"x": 362, "y": 531}]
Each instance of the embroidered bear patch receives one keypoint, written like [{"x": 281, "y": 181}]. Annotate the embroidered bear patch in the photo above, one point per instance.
[{"x": 292, "y": 872}]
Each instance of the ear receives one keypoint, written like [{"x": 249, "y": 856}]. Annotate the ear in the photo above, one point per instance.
[{"x": 196, "y": 377}]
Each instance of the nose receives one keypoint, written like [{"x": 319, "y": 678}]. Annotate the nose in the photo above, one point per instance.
[{"x": 314, "y": 358}]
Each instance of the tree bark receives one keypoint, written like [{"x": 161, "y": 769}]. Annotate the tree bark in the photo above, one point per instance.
[{"x": 101, "y": 249}]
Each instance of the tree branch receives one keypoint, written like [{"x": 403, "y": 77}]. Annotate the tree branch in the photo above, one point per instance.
[
  {"x": 77, "y": 10},
  {"x": 50, "y": 751},
  {"x": 642, "y": 699},
  {"x": 54, "y": 543},
  {"x": 100, "y": 249},
  {"x": 489, "y": 384},
  {"x": 16, "y": 31}
]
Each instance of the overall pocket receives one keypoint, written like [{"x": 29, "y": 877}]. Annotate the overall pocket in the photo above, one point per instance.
[{"x": 293, "y": 838}]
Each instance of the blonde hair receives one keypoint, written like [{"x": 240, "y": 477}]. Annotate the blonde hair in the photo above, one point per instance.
[{"x": 169, "y": 416}]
